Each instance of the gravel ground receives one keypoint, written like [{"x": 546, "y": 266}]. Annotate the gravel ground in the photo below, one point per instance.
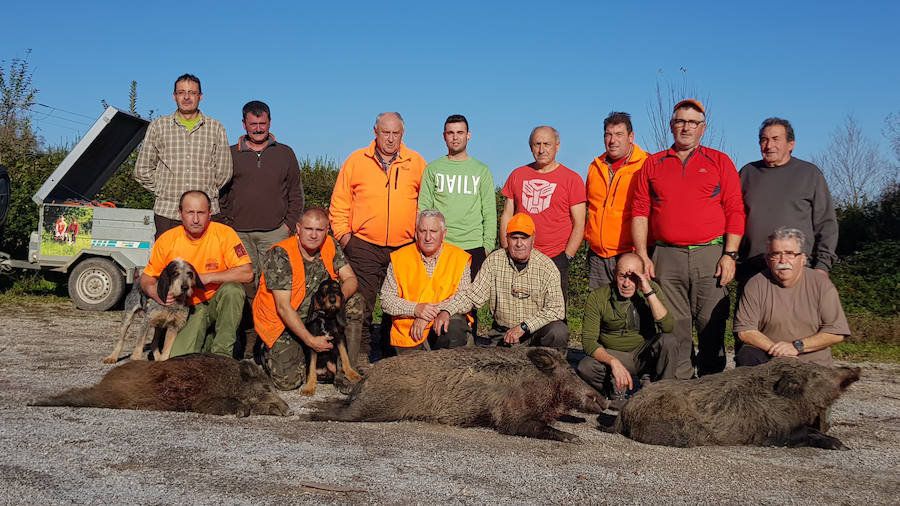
[{"x": 99, "y": 456}]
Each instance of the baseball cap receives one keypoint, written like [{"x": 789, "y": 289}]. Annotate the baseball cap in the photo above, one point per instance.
[
  {"x": 690, "y": 101},
  {"x": 521, "y": 223}
]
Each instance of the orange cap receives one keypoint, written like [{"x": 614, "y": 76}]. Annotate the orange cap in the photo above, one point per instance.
[
  {"x": 521, "y": 223},
  {"x": 694, "y": 102}
]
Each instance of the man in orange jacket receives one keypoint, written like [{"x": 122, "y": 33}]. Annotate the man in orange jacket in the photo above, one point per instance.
[
  {"x": 292, "y": 271},
  {"x": 373, "y": 209},
  {"x": 610, "y": 191},
  {"x": 421, "y": 276}
]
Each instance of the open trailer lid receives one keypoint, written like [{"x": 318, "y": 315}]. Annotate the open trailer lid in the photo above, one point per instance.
[{"x": 94, "y": 160}]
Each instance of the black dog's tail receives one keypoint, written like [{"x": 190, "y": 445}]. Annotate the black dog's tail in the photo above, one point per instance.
[
  {"x": 338, "y": 410},
  {"x": 79, "y": 397}
]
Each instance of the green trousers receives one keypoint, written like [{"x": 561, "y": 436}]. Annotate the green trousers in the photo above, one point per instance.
[{"x": 213, "y": 324}]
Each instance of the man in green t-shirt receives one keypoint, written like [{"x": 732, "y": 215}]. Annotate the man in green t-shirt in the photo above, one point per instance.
[
  {"x": 462, "y": 189},
  {"x": 626, "y": 331}
]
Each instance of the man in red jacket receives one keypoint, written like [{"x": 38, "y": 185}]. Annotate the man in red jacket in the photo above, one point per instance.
[{"x": 692, "y": 196}]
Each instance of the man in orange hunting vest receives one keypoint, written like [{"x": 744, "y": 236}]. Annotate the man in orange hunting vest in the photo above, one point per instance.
[
  {"x": 420, "y": 276},
  {"x": 291, "y": 273}
]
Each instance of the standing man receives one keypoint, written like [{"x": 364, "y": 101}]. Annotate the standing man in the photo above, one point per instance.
[
  {"x": 692, "y": 196},
  {"x": 222, "y": 263},
  {"x": 373, "y": 210},
  {"x": 781, "y": 190},
  {"x": 183, "y": 151},
  {"x": 421, "y": 276},
  {"x": 610, "y": 193},
  {"x": 788, "y": 310},
  {"x": 294, "y": 269},
  {"x": 263, "y": 198},
  {"x": 462, "y": 189},
  {"x": 553, "y": 195}
]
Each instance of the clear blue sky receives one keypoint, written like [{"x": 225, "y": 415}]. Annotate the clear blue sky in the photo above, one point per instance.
[{"x": 327, "y": 68}]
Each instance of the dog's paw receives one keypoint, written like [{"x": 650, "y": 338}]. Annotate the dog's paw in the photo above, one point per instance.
[
  {"x": 110, "y": 360},
  {"x": 308, "y": 391}
]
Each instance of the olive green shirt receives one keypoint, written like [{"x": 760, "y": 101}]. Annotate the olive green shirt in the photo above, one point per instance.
[{"x": 621, "y": 324}]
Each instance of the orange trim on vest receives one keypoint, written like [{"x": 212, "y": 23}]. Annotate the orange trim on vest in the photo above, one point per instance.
[
  {"x": 413, "y": 284},
  {"x": 266, "y": 321}
]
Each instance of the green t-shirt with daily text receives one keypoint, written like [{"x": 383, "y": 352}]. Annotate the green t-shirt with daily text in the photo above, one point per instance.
[{"x": 463, "y": 191}]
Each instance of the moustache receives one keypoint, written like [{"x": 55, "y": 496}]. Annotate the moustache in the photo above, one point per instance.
[{"x": 784, "y": 267}]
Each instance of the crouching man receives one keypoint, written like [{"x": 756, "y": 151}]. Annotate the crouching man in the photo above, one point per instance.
[
  {"x": 421, "y": 276},
  {"x": 291, "y": 274},
  {"x": 788, "y": 310},
  {"x": 524, "y": 291},
  {"x": 219, "y": 257},
  {"x": 626, "y": 331}
]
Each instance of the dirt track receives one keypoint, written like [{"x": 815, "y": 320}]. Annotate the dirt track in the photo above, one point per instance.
[{"x": 95, "y": 456}]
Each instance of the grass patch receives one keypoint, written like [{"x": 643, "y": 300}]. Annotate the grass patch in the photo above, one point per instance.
[
  {"x": 856, "y": 351},
  {"x": 28, "y": 283}
]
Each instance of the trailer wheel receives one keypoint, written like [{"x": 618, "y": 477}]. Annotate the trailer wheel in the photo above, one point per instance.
[{"x": 96, "y": 284}]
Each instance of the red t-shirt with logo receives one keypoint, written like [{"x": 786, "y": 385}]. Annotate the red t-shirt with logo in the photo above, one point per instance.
[{"x": 548, "y": 198}]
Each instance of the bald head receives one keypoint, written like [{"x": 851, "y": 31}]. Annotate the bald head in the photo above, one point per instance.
[{"x": 629, "y": 262}]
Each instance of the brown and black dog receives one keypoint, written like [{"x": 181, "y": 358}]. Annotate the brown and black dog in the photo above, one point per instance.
[
  {"x": 179, "y": 278},
  {"x": 326, "y": 317}
]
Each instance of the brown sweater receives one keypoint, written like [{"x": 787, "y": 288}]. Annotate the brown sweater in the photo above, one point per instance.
[{"x": 266, "y": 189}]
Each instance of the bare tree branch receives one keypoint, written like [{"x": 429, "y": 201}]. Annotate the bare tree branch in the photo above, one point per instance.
[
  {"x": 855, "y": 170},
  {"x": 659, "y": 111}
]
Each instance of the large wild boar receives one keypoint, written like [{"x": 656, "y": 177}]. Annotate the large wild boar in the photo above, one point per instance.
[
  {"x": 781, "y": 403},
  {"x": 210, "y": 384},
  {"x": 516, "y": 391}
]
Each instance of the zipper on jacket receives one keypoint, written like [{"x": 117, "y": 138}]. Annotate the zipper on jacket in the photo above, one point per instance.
[
  {"x": 611, "y": 192},
  {"x": 387, "y": 224}
]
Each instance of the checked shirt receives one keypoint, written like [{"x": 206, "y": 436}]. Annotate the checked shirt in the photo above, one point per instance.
[
  {"x": 532, "y": 295},
  {"x": 173, "y": 161}
]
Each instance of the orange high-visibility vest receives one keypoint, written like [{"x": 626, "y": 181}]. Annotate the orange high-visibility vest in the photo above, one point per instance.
[
  {"x": 413, "y": 284},
  {"x": 266, "y": 321}
]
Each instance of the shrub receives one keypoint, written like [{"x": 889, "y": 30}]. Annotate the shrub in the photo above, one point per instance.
[{"x": 868, "y": 281}]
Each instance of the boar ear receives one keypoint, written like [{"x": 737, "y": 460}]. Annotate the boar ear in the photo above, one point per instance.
[
  {"x": 248, "y": 370},
  {"x": 790, "y": 385},
  {"x": 542, "y": 358}
]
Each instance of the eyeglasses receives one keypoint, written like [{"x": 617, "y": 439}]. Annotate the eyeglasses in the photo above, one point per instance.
[
  {"x": 192, "y": 93},
  {"x": 787, "y": 255},
  {"x": 689, "y": 123},
  {"x": 623, "y": 277}
]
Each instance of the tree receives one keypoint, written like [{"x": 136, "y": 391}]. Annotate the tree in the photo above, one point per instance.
[
  {"x": 892, "y": 132},
  {"x": 17, "y": 96},
  {"x": 855, "y": 170},
  {"x": 121, "y": 187},
  {"x": 659, "y": 110}
]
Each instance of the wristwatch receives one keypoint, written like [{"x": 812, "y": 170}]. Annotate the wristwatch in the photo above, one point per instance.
[
  {"x": 524, "y": 327},
  {"x": 732, "y": 254},
  {"x": 799, "y": 345}
]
